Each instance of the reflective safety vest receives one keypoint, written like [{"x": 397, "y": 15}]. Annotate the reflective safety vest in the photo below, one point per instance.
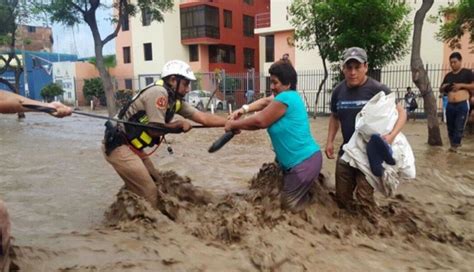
[{"x": 137, "y": 136}]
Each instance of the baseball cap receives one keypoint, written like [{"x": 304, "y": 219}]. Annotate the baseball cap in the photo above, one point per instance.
[{"x": 355, "y": 53}]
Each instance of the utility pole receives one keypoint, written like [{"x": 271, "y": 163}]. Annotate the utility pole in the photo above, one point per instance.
[
  {"x": 21, "y": 20},
  {"x": 25, "y": 70}
]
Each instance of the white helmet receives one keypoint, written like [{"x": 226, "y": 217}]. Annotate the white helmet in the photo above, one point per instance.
[{"x": 177, "y": 67}]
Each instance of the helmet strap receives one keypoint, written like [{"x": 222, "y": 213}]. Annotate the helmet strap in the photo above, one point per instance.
[{"x": 178, "y": 83}]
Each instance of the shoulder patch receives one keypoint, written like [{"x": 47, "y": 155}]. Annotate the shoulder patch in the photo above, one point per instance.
[{"x": 162, "y": 102}]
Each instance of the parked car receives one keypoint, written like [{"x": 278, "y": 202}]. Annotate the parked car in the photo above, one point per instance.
[{"x": 200, "y": 98}]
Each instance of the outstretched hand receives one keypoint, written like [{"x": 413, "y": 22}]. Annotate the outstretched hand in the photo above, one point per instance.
[
  {"x": 236, "y": 114},
  {"x": 186, "y": 126},
  {"x": 61, "y": 109}
]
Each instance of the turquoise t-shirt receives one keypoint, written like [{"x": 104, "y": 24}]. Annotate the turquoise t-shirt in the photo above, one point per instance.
[{"x": 291, "y": 136}]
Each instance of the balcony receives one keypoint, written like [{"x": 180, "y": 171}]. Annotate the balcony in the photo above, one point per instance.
[
  {"x": 262, "y": 20},
  {"x": 199, "y": 32}
]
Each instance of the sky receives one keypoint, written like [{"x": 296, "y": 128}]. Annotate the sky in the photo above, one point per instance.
[{"x": 78, "y": 39}]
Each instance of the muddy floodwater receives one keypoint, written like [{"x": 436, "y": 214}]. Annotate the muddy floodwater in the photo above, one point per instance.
[{"x": 70, "y": 213}]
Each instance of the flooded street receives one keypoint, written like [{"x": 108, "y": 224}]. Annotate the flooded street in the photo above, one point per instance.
[{"x": 57, "y": 187}]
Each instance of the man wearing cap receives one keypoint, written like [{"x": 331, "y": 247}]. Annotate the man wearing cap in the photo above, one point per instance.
[
  {"x": 347, "y": 100},
  {"x": 155, "y": 105}
]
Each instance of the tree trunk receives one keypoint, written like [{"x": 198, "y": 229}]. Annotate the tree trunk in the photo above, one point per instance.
[
  {"x": 107, "y": 82},
  {"x": 213, "y": 94},
  {"x": 321, "y": 85},
  {"x": 421, "y": 79},
  {"x": 8, "y": 84},
  {"x": 18, "y": 72},
  {"x": 89, "y": 18}
]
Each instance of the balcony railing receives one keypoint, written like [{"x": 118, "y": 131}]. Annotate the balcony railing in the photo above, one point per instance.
[{"x": 262, "y": 20}]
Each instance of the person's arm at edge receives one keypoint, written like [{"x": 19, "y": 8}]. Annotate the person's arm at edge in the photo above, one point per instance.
[
  {"x": 333, "y": 127},
  {"x": 12, "y": 103}
]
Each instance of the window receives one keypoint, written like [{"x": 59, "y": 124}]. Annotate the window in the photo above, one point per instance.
[
  {"x": 221, "y": 53},
  {"x": 193, "y": 52},
  {"x": 227, "y": 18},
  {"x": 149, "y": 80},
  {"x": 125, "y": 23},
  {"x": 199, "y": 21},
  {"x": 249, "y": 26},
  {"x": 249, "y": 56},
  {"x": 248, "y": 2},
  {"x": 269, "y": 48},
  {"x": 146, "y": 17},
  {"x": 31, "y": 29},
  {"x": 126, "y": 54},
  {"x": 128, "y": 84},
  {"x": 147, "y": 51}
]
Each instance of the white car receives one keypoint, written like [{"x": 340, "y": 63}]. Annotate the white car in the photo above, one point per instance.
[{"x": 200, "y": 98}]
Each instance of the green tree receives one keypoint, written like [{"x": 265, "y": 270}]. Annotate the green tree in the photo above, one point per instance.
[
  {"x": 420, "y": 75},
  {"x": 94, "y": 88},
  {"x": 459, "y": 21},
  {"x": 7, "y": 21},
  {"x": 73, "y": 12},
  {"x": 50, "y": 91},
  {"x": 381, "y": 27},
  {"x": 9, "y": 61},
  {"x": 312, "y": 25}
]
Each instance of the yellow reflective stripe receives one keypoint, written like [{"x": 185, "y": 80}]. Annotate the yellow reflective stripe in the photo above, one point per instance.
[
  {"x": 159, "y": 82},
  {"x": 144, "y": 119},
  {"x": 136, "y": 143},
  {"x": 145, "y": 137},
  {"x": 177, "y": 106}
]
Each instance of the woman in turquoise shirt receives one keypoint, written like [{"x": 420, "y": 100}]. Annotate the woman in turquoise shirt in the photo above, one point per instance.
[{"x": 285, "y": 118}]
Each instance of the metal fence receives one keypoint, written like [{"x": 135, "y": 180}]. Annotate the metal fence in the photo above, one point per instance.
[{"x": 241, "y": 88}]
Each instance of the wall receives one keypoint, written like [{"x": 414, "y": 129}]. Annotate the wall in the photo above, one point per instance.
[
  {"x": 84, "y": 70},
  {"x": 466, "y": 52},
  {"x": 123, "y": 70},
  {"x": 63, "y": 74},
  {"x": 165, "y": 39}
]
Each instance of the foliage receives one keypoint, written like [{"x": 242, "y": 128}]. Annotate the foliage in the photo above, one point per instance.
[
  {"x": 197, "y": 84},
  {"x": 8, "y": 12},
  {"x": 93, "y": 88},
  {"x": 459, "y": 20},
  {"x": 110, "y": 61},
  {"x": 380, "y": 27},
  {"x": 50, "y": 91},
  {"x": 123, "y": 96}
]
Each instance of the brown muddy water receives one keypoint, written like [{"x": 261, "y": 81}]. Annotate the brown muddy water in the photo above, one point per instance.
[{"x": 69, "y": 213}]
